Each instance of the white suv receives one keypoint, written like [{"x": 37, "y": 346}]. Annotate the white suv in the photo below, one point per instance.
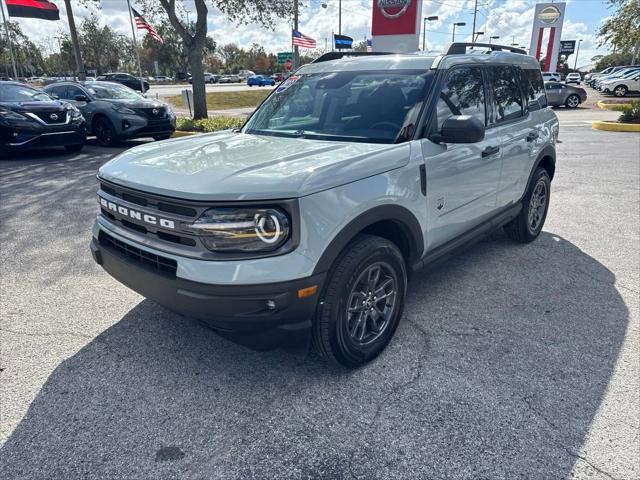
[
  {"x": 620, "y": 87},
  {"x": 573, "y": 78}
]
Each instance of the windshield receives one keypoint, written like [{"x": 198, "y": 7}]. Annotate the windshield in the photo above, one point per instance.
[
  {"x": 113, "y": 91},
  {"x": 365, "y": 106},
  {"x": 22, "y": 93}
]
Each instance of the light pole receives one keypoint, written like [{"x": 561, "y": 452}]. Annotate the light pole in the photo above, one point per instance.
[
  {"x": 575, "y": 65},
  {"x": 477, "y": 35},
  {"x": 424, "y": 29},
  {"x": 457, "y": 24},
  {"x": 493, "y": 37}
]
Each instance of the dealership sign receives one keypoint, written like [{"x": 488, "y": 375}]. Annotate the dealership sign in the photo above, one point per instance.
[
  {"x": 567, "y": 47},
  {"x": 395, "y": 25},
  {"x": 547, "y": 21}
]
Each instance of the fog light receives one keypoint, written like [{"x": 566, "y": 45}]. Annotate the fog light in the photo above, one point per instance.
[{"x": 271, "y": 304}]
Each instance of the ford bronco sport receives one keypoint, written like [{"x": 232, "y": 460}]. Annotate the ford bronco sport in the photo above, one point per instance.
[{"x": 303, "y": 226}]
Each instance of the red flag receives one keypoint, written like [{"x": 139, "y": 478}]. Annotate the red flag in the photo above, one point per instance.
[{"x": 42, "y": 9}]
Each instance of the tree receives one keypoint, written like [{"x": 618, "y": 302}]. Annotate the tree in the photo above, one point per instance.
[
  {"x": 28, "y": 56},
  {"x": 622, "y": 30},
  {"x": 101, "y": 46},
  {"x": 194, "y": 36}
]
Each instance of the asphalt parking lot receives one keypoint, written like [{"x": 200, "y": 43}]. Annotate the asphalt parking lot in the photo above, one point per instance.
[{"x": 511, "y": 361}]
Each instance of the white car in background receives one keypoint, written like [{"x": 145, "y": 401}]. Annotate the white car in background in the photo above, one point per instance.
[
  {"x": 551, "y": 77},
  {"x": 620, "y": 87},
  {"x": 573, "y": 78}
]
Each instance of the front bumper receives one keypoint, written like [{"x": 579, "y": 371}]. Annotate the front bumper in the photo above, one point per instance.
[
  {"x": 136, "y": 126},
  {"x": 262, "y": 317}
]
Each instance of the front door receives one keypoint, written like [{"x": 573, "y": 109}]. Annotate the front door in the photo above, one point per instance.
[{"x": 462, "y": 179}]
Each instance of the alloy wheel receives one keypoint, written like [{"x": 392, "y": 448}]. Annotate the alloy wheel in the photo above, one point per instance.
[
  {"x": 537, "y": 205},
  {"x": 573, "y": 101},
  {"x": 371, "y": 303}
]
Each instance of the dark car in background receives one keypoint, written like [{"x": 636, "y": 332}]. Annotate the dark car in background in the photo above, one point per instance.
[
  {"x": 30, "y": 118},
  {"x": 562, "y": 94},
  {"x": 127, "y": 80},
  {"x": 115, "y": 112}
]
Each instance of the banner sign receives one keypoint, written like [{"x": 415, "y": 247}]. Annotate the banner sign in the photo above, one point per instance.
[
  {"x": 548, "y": 17},
  {"x": 395, "y": 25},
  {"x": 567, "y": 47},
  {"x": 342, "y": 41}
]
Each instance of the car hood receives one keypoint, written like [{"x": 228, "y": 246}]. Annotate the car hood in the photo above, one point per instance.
[
  {"x": 238, "y": 166},
  {"x": 134, "y": 103},
  {"x": 52, "y": 106}
]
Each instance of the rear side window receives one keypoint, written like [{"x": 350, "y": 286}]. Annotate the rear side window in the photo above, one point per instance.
[
  {"x": 533, "y": 85},
  {"x": 59, "y": 91},
  {"x": 461, "y": 94},
  {"x": 507, "y": 98}
]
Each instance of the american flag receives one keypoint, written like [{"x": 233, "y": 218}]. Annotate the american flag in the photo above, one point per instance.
[
  {"x": 369, "y": 46},
  {"x": 302, "y": 40},
  {"x": 142, "y": 24}
]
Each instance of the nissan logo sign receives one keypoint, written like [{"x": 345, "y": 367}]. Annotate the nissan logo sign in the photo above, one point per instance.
[
  {"x": 53, "y": 117},
  {"x": 393, "y": 9},
  {"x": 155, "y": 111},
  {"x": 549, "y": 15}
]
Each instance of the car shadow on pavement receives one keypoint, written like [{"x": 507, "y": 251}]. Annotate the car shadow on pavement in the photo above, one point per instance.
[{"x": 497, "y": 371}]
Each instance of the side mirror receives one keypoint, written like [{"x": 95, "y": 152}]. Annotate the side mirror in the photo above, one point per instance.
[
  {"x": 461, "y": 129},
  {"x": 81, "y": 98}
]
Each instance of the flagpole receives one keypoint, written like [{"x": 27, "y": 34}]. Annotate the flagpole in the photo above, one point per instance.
[
  {"x": 135, "y": 47},
  {"x": 6, "y": 28}
]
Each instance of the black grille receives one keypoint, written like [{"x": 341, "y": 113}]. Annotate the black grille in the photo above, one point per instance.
[
  {"x": 161, "y": 112},
  {"x": 60, "y": 117},
  {"x": 162, "y": 265},
  {"x": 138, "y": 200}
]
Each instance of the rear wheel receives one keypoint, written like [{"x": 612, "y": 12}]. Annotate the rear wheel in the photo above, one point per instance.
[
  {"x": 527, "y": 226},
  {"x": 362, "y": 302},
  {"x": 162, "y": 137},
  {"x": 105, "y": 133},
  {"x": 573, "y": 101},
  {"x": 620, "y": 91}
]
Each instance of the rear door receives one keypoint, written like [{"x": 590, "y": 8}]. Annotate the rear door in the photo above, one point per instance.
[
  {"x": 462, "y": 179},
  {"x": 554, "y": 93}
]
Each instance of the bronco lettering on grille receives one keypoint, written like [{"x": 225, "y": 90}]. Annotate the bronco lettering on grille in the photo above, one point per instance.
[{"x": 136, "y": 215}]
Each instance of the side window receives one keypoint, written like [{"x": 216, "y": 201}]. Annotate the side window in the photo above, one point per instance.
[
  {"x": 507, "y": 98},
  {"x": 59, "y": 91},
  {"x": 461, "y": 94},
  {"x": 73, "y": 92},
  {"x": 534, "y": 89}
]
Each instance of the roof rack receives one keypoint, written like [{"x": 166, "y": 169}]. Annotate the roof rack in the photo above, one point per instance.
[
  {"x": 337, "y": 55},
  {"x": 460, "y": 48}
]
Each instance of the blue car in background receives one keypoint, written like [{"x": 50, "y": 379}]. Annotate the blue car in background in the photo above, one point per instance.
[{"x": 260, "y": 81}]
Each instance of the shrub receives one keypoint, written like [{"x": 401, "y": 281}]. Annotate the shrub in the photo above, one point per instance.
[
  {"x": 630, "y": 113},
  {"x": 212, "y": 124}
]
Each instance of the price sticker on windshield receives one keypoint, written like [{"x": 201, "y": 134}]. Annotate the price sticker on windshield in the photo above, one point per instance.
[{"x": 287, "y": 83}]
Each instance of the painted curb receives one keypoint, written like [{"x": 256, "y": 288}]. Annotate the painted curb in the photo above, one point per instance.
[
  {"x": 616, "y": 126},
  {"x": 611, "y": 106},
  {"x": 179, "y": 133}
]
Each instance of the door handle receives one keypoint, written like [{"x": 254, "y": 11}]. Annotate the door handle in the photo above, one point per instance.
[
  {"x": 487, "y": 152},
  {"x": 532, "y": 136}
]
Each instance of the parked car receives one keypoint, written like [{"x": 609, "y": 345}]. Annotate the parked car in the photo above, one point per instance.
[
  {"x": 182, "y": 77},
  {"x": 260, "y": 81},
  {"x": 621, "y": 74},
  {"x": 229, "y": 79},
  {"x": 620, "y": 87},
  {"x": 574, "y": 77},
  {"x": 561, "y": 94},
  {"x": 302, "y": 227},
  {"x": 30, "y": 118},
  {"x": 208, "y": 78},
  {"x": 593, "y": 75},
  {"x": 115, "y": 112},
  {"x": 548, "y": 77},
  {"x": 127, "y": 80},
  {"x": 609, "y": 72},
  {"x": 162, "y": 79}
]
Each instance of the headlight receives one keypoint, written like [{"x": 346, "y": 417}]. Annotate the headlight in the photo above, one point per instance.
[
  {"x": 169, "y": 110},
  {"x": 121, "y": 109},
  {"x": 242, "y": 229},
  {"x": 11, "y": 115},
  {"x": 75, "y": 113}
]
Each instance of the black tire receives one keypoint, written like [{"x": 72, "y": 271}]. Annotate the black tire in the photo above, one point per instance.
[
  {"x": 161, "y": 137},
  {"x": 522, "y": 228},
  {"x": 105, "y": 132},
  {"x": 344, "y": 286},
  {"x": 74, "y": 148},
  {"x": 621, "y": 91},
  {"x": 572, "y": 101}
]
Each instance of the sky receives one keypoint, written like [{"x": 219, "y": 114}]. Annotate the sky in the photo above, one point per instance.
[{"x": 510, "y": 19}]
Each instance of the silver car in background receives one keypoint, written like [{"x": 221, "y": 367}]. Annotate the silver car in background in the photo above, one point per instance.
[{"x": 561, "y": 94}]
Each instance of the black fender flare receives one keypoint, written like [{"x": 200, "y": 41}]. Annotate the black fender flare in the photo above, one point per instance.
[
  {"x": 401, "y": 216},
  {"x": 548, "y": 151}
]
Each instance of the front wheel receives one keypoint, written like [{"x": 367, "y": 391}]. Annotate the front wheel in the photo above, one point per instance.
[
  {"x": 105, "y": 132},
  {"x": 573, "y": 101},
  {"x": 161, "y": 137},
  {"x": 526, "y": 227},
  {"x": 620, "y": 91},
  {"x": 362, "y": 302},
  {"x": 74, "y": 148}
]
